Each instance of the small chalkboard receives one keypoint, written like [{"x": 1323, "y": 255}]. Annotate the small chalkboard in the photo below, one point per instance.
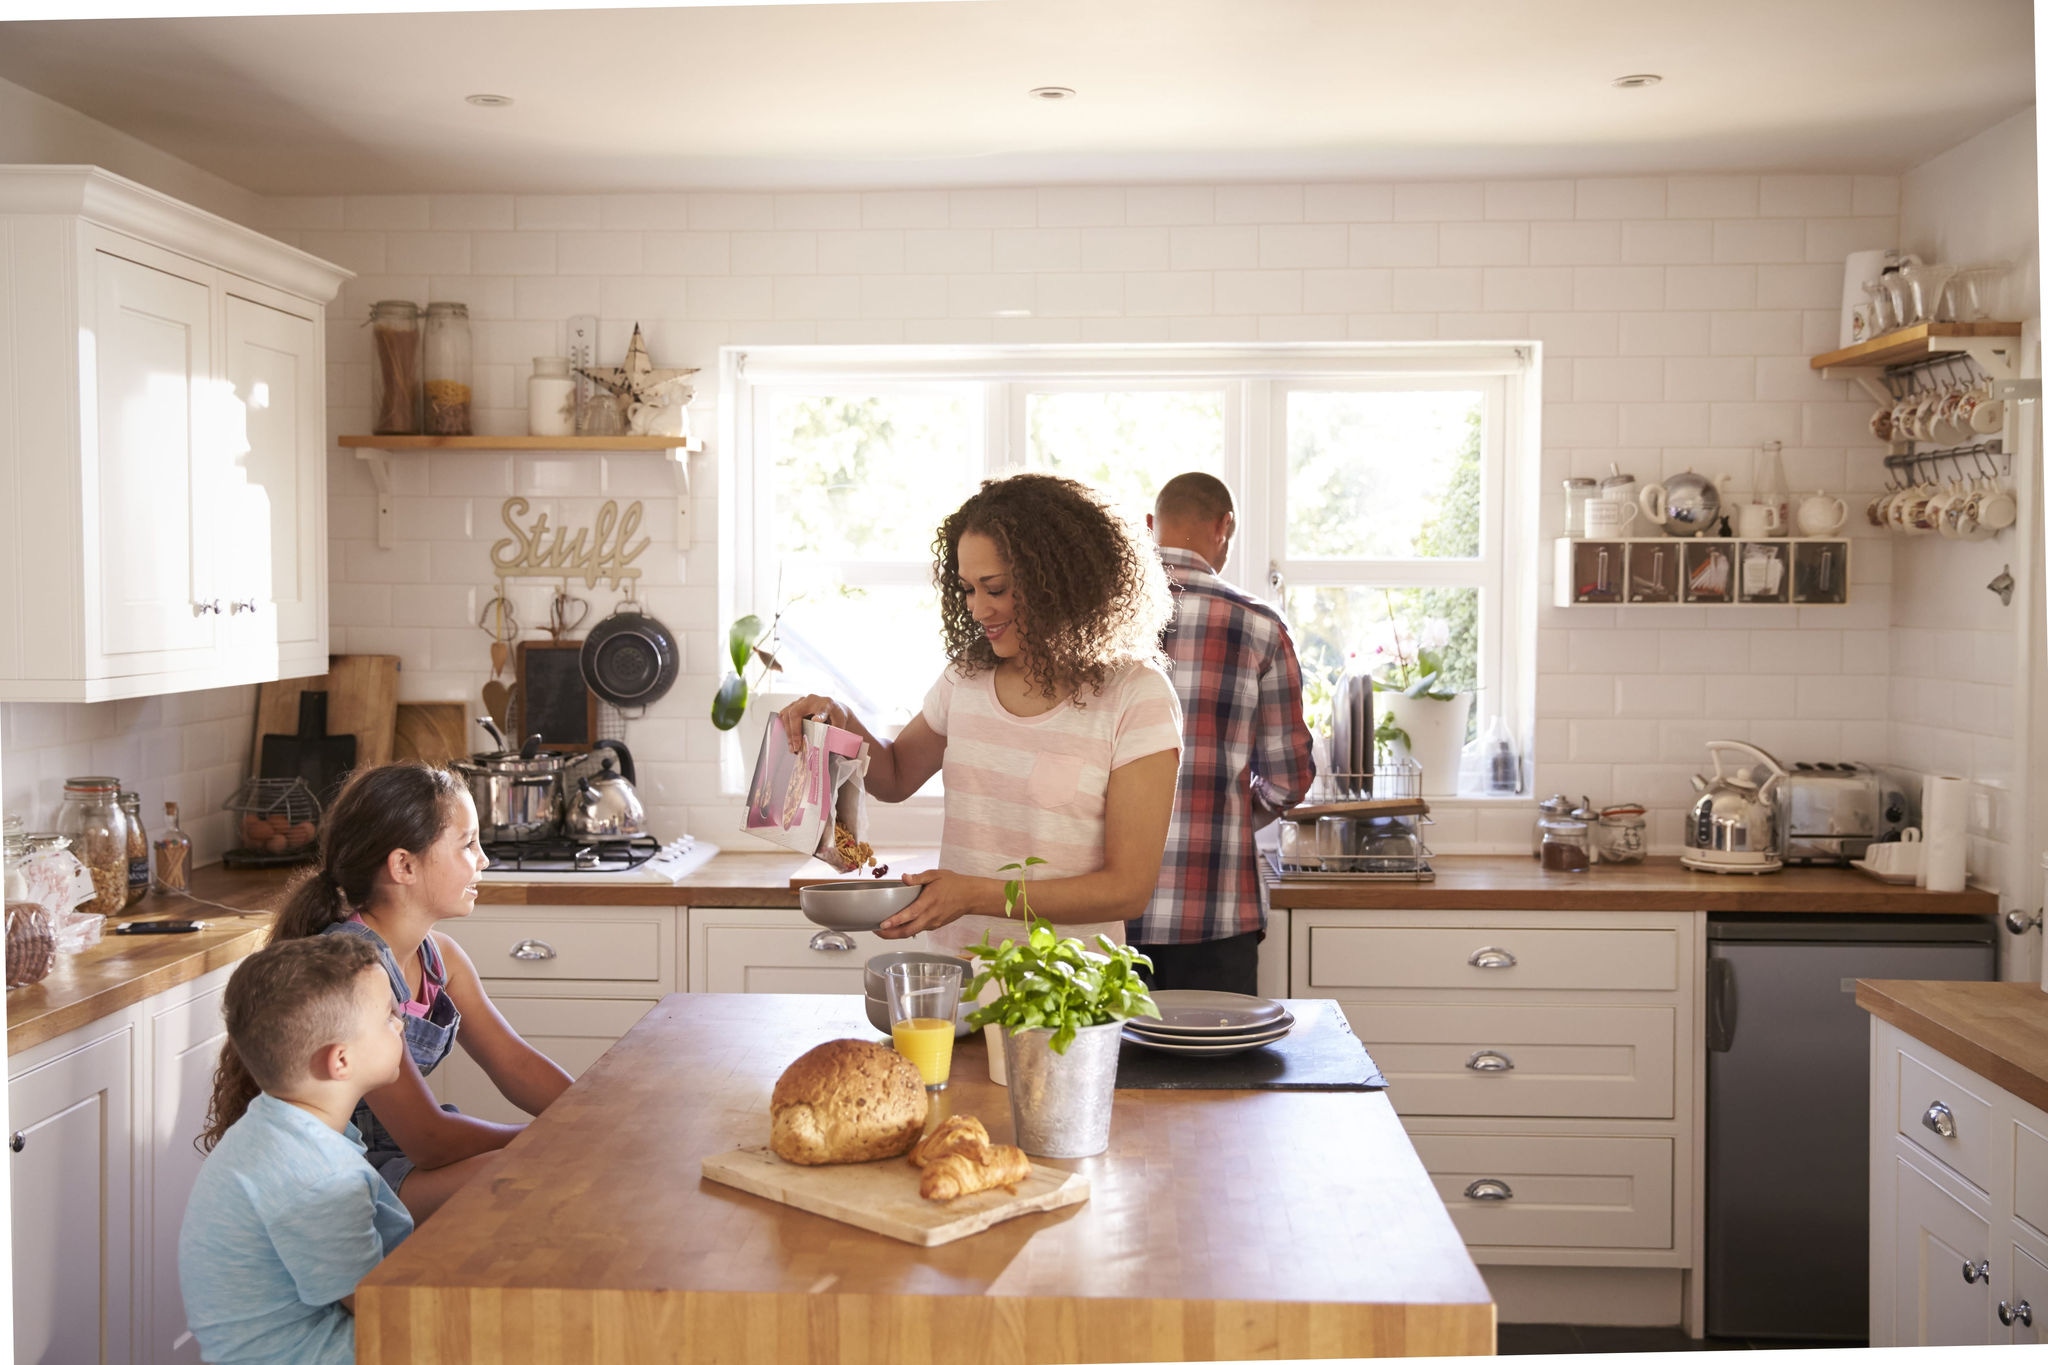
[{"x": 554, "y": 701}]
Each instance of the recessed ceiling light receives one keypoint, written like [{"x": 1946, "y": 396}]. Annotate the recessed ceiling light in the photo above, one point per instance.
[
  {"x": 489, "y": 101},
  {"x": 1051, "y": 94},
  {"x": 1637, "y": 81}
]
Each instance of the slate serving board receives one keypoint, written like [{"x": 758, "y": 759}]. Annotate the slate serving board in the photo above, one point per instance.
[{"x": 1321, "y": 1053}]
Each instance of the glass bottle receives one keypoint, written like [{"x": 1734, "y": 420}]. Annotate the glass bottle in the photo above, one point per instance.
[
  {"x": 173, "y": 854},
  {"x": 138, "y": 848},
  {"x": 1770, "y": 486},
  {"x": 395, "y": 340},
  {"x": 1577, "y": 493},
  {"x": 13, "y": 848},
  {"x": 550, "y": 398},
  {"x": 447, "y": 369},
  {"x": 91, "y": 816}
]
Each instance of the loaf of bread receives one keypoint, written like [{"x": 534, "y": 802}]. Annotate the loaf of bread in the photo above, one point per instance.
[
  {"x": 847, "y": 1100},
  {"x": 950, "y": 1176}
]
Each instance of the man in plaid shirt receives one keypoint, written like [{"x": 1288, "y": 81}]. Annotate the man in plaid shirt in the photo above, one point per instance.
[{"x": 1244, "y": 751}]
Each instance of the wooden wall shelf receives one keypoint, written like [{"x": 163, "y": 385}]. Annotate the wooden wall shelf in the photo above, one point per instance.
[
  {"x": 1909, "y": 344},
  {"x": 376, "y": 452}
]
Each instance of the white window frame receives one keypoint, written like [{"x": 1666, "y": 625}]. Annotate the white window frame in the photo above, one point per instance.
[{"x": 1255, "y": 380}]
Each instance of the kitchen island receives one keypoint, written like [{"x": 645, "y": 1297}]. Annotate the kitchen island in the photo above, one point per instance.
[{"x": 1222, "y": 1225}]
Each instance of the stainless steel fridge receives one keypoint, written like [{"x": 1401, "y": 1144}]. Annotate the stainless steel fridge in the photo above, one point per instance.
[{"x": 1788, "y": 1100}]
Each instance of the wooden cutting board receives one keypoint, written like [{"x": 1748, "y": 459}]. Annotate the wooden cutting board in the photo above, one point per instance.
[
  {"x": 882, "y": 1196},
  {"x": 432, "y": 731},
  {"x": 362, "y": 700}
]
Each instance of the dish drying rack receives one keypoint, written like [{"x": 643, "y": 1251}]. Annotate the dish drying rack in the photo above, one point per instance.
[{"x": 1387, "y": 800}]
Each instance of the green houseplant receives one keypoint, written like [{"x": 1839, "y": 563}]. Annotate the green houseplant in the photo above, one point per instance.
[
  {"x": 745, "y": 641},
  {"x": 1059, "y": 1018},
  {"x": 1425, "y": 711}
]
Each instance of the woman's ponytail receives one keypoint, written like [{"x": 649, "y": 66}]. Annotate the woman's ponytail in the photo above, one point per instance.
[{"x": 233, "y": 1089}]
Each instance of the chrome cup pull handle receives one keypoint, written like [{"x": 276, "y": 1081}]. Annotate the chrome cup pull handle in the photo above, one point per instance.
[
  {"x": 1489, "y": 1060},
  {"x": 1489, "y": 1190},
  {"x": 831, "y": 941},
  {"x": 1976, "y": 1272},
  {"x": 1939, "y": 1119},
  {"x": 1492, "y": 957},
  {"x": 533, "y": 950}
]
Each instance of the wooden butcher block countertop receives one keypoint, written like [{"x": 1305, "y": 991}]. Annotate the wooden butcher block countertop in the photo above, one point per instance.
[
  {"x": 1998, "y": 1029},
  {"x": 1221, "y": 1225},
  {"x": 1517, "y": 882}
]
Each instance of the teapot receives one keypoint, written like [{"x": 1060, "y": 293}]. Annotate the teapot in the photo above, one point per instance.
[
  {"x": 1736, "y": 824},
  {"x": 604, "y": 807},
  {"x": 1684, "y": 504}
]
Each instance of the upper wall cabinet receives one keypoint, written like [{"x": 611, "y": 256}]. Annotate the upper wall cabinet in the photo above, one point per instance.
[{"x": 163, "y": 451}]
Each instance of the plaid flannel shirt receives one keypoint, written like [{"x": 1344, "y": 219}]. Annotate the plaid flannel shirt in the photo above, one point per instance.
[{"x": 1244, "y": 755}]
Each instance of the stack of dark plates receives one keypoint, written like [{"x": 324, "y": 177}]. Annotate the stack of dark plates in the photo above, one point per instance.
[{"x": 1209, "y": 1023}]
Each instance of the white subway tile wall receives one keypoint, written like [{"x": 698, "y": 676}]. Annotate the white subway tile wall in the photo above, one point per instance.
[{"x": 1676, "y": 317}]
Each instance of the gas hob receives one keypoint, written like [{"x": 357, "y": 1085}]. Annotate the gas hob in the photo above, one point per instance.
[{"x": 570, "y": 861}]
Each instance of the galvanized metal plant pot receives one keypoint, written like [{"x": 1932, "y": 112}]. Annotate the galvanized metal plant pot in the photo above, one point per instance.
[{"x": 1060, "y": 1103}]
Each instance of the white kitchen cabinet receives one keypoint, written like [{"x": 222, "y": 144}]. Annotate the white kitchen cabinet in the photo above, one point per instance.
[
  {"x": 1958, "y": 1194},
  {"x": 162, "y": 444},
  {"x": 185, "y": 1038},
  {"x": 71, "y": 1177},
  {"x": 777, "y": 952},
  {"x": 573, "y": 1032}
]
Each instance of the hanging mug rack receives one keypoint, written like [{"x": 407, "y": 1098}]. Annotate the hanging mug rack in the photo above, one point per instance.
[{"x": 1988, "y": 459}]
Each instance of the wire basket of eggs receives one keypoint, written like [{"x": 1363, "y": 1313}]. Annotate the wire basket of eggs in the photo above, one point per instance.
[{"x": 276, "y": 823}]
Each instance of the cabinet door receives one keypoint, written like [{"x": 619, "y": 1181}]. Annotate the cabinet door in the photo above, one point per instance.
[
  {"x": 2024, "y": 1299},
  {"x": 151, "y": 464},
  {"x": 273, "y": 502},
  {"x": 72, "y": 1184},
  {"x": 1937, "y": 1236},
  {"x": 574, "y": 1033},
  {"x": 185, "y": 1043}
]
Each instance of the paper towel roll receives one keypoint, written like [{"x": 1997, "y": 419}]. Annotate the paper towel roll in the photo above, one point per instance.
[{"x": 1944, "y": 827}]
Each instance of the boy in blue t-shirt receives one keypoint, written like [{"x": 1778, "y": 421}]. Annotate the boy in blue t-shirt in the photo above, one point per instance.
[{"x": 286, "y": 1215}]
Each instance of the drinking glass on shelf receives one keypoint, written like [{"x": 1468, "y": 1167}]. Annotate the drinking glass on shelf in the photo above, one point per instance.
[{"x": 924, "y": 997}]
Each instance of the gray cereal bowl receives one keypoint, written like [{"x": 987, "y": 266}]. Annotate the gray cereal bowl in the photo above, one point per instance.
[
  {"x": 854, "y": 906},
  {"x": 878, "y": 996}
]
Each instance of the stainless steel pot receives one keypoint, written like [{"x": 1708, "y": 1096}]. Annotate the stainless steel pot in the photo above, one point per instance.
[
  {"x": 518, "y": 796},
  {"x": 1737, "y": 822}
]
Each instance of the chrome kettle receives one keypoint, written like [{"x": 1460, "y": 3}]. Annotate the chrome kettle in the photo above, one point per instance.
[
  {"x": 605, "y": 806},
  {"x": 1737, "y": 823}
]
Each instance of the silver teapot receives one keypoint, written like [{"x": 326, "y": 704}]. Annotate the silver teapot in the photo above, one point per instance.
[
  {"x": 604, "y": 806},
  {"x": 1685, "y": 504},
  {"x": 1737, "y": 822}
]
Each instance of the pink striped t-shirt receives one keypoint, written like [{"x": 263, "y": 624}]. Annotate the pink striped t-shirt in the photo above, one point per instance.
[{"x": 1036, "y": 785}]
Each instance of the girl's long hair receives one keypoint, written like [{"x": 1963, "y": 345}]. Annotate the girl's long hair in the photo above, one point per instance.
[{"x": 400, "y": 805}]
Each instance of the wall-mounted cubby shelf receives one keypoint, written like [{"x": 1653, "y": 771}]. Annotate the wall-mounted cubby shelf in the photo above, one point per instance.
[
  {"x": 1669, "y": 571},
  {"x": 376, "y": 452}
]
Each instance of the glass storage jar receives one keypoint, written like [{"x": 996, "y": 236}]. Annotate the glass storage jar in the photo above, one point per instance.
[
  {"x": 550, "y": 398},
  {"x": 1564, "y": 847},
  {"x": 395, "y": 339},
  {"x": 1549, "y": 806},
  {"x": 447, "y": 369},
  {"x": 91, "y": 816},
  {"x": 138, "y": 848},
  {"x": 1577, "y": 493},
  {"x": 1621, "y": 835}
]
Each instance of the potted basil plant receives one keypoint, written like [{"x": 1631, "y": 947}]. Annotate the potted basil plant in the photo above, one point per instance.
[{"x": 1060, "y": 1009}]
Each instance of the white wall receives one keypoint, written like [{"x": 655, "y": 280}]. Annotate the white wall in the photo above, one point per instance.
[
  {"x": 1676, "y": 318},
  {"x": 1955, "y": 650}
]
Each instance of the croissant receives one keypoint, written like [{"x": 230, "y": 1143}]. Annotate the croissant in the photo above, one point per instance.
[
  {"x": 961, "y": 1133},
  {"x": 949, "y": 1177}
]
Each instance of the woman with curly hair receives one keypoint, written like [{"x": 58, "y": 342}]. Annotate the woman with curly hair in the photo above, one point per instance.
[{"x": 1056, "y": 728}]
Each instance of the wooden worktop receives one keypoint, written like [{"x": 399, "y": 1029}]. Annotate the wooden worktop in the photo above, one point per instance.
[
  {"x": 1998, "y": 1029},
  {"x": 120, "y": 970},
  {"x": 1517, "y": 882},
  {"x": 1222, "y": 1225}
]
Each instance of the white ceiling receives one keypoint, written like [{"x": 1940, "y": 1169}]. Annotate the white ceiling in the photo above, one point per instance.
[{"x": 934, "y": 94}]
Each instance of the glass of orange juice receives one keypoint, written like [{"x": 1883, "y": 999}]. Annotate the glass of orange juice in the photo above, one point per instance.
[{"x": 923, "y": 999}]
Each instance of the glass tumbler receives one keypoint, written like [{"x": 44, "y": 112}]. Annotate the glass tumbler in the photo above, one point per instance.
[{"x": 924, "y": 999}]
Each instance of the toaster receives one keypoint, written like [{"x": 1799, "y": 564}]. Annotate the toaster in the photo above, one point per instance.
[{"x": 1835, "y": 811}]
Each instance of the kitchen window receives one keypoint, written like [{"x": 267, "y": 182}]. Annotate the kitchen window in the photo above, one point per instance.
[{"x": 1382, "y": 499}]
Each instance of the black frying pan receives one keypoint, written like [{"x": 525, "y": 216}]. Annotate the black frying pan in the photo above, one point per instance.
[{"x": 629, "y": 658}]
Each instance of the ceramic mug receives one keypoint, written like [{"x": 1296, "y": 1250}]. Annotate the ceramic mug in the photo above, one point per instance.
[
  {"x": 1988, "y": 416},
  {"x": 1909, "y": 511},
  {"x": 1881, "y": 424},
  {"x": 1608, "y": 517},
  {"x": 1821, "y": 515},
  {"x": 1946, "y": 425},
  {"x": 1998, "y": 509},
  {"x": 1756, "y": 520}
]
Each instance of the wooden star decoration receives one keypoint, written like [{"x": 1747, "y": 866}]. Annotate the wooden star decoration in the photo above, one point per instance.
[{"x": 637, "y": 381}]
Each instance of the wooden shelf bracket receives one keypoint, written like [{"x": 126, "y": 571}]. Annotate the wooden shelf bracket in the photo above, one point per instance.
[{"x": 379, "y": 462}]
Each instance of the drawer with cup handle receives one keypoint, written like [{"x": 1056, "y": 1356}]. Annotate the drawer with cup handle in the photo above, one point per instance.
[
  {"x": 1523, "y": 1061},
  {"x": 779, "y": 952},
  {"x": 1526, "y": 1190},
  {"x": 1939, "y": 1115},
  {"x": 1375, "y": 957},
  {"x": 603, "y": 950}
]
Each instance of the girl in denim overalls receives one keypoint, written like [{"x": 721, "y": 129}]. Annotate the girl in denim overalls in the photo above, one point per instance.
[{"x": 399, "y": 854}]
